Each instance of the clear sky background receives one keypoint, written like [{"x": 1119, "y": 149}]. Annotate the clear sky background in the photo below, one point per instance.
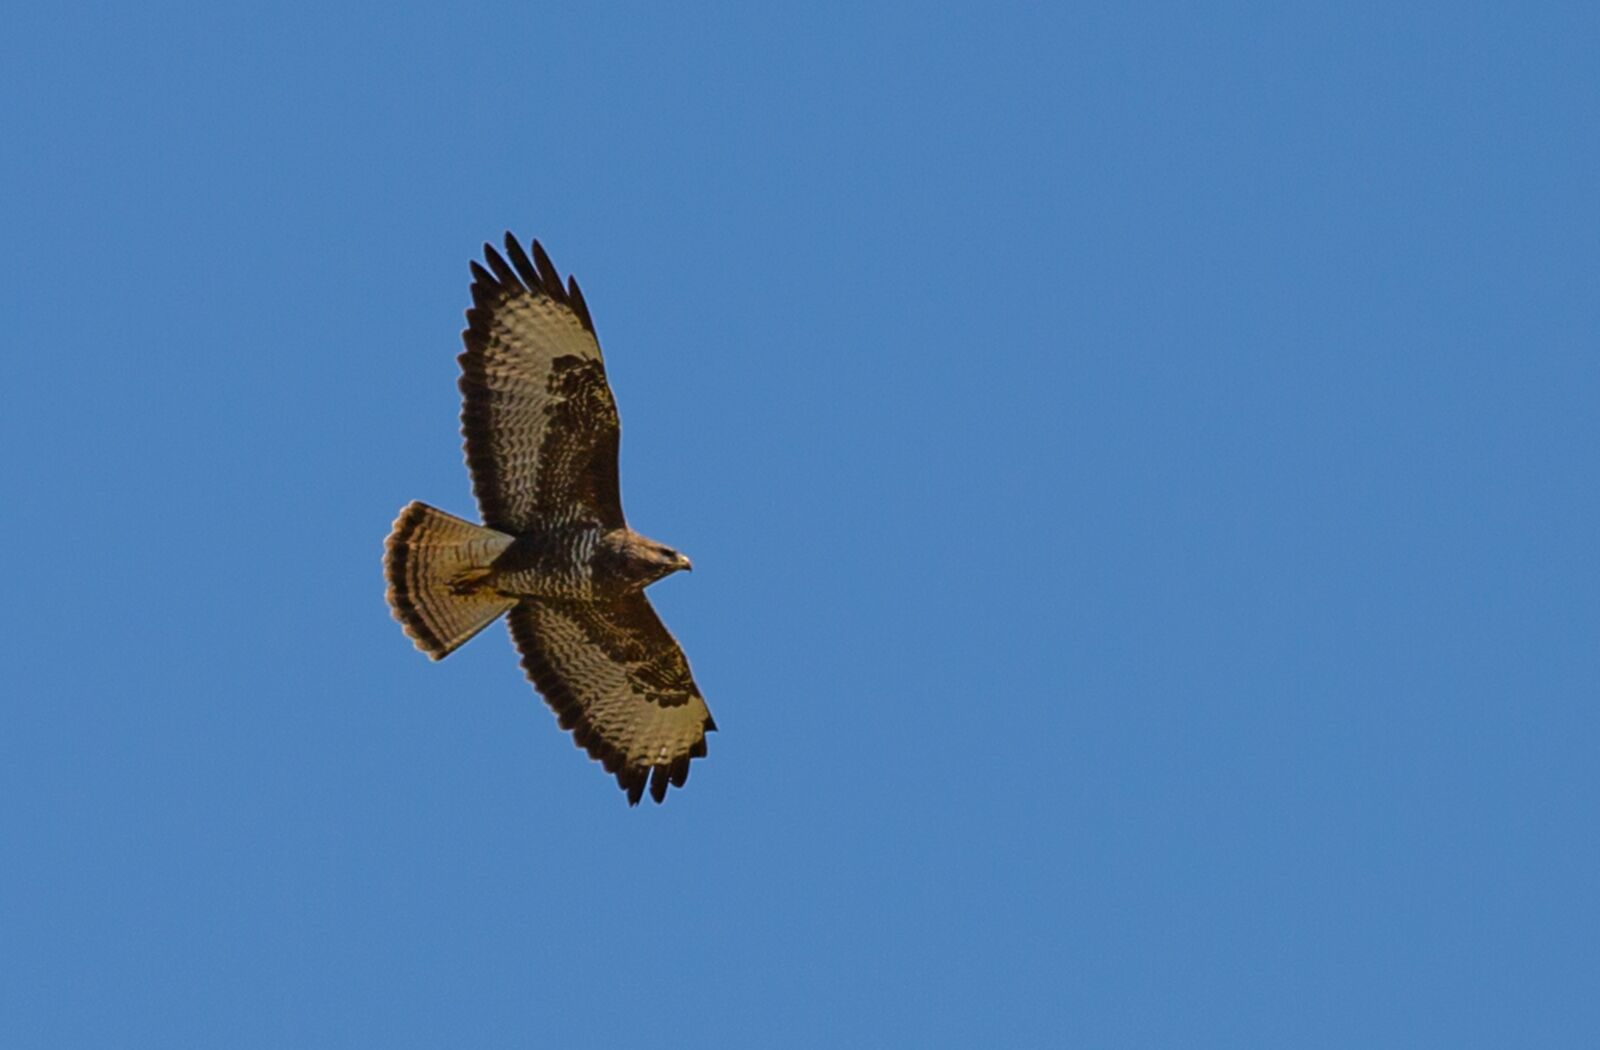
[{"x": 1140, "y": 464}]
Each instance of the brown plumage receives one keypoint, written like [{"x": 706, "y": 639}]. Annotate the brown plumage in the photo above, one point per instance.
[{"x": 554, "y": 550}]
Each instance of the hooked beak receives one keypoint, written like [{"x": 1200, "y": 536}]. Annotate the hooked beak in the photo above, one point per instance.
[{"x": 684, "y": 563}]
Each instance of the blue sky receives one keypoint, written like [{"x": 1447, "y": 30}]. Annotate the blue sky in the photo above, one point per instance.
[{"x": 1140, "y": 464}]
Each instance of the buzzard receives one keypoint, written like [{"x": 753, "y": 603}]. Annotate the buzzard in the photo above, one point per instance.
[{"x": 554, "y": 552}]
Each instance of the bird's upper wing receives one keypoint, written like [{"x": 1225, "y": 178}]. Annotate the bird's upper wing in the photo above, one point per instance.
[
  {"x": 537, "y": 413},
  {"x": 617, "y": 678}
]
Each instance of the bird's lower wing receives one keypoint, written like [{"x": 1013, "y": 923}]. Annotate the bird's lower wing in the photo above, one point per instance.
[{"x": 617, "y": 678}]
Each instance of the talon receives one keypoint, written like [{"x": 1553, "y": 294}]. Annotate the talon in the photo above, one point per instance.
[{"x": 471, "y": 581}]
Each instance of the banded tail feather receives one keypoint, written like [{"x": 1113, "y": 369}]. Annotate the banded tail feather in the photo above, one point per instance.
[{"x": 433, "y": 562}]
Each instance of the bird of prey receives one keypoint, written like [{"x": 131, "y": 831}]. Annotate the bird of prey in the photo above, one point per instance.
[{"x": 553, "y": 552}]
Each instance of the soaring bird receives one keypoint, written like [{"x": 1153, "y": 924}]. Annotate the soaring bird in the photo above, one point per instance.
[{"x": 554, "y": 552}]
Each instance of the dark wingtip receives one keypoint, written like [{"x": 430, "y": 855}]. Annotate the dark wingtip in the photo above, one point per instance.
[
  {"x": 519, "y": 259},
  {"x": 579, "y": 307},
  {"x": 502, "y": 271},
  {"x": 482, "y": 277},
  {"x": 549, "y": 276},
  {"x": 538, "y": 275}
]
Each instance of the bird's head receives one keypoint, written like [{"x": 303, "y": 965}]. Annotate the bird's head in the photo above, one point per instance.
[{"x": 644, "y": 561}]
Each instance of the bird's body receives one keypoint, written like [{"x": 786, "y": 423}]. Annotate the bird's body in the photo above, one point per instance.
[
  {"x": 554, "y": 551},
  {"x": 580, "y": 561},
  {"x": 558, "y": 562}
]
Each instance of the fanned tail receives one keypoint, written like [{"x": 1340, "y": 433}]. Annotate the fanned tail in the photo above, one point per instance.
[{"x": 436, "y": 565}]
